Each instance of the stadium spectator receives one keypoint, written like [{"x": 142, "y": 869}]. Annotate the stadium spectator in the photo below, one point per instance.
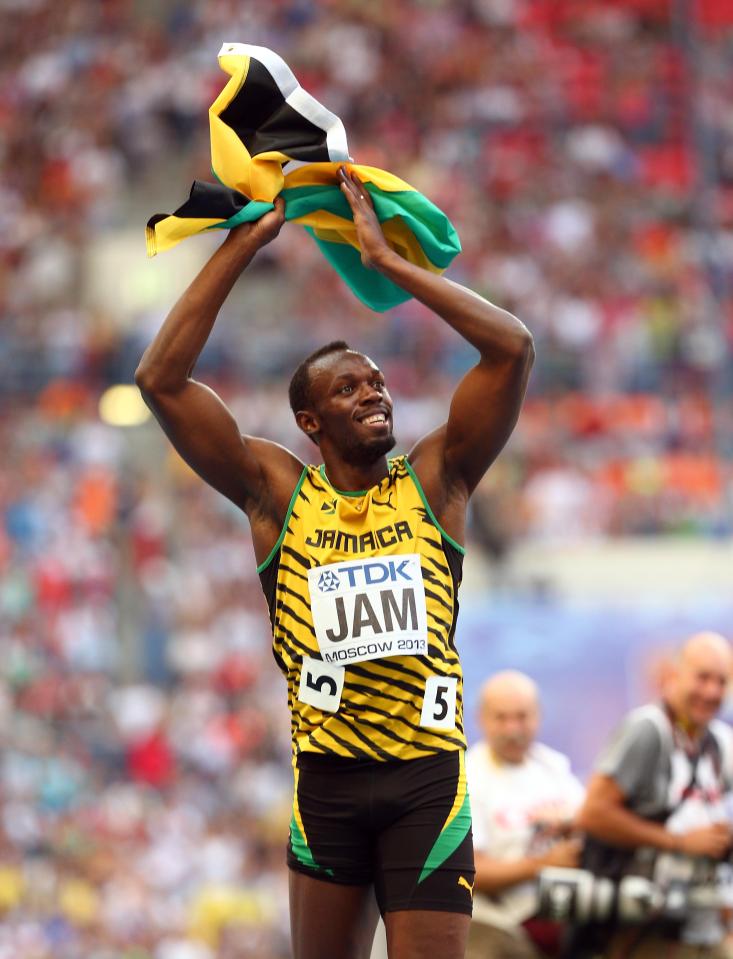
[
  {"x": 523, "y": 800},
  {"x": 657, "y": 804}
]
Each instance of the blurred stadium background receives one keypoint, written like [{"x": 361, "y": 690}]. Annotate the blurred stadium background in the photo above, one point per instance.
[{"x": 584, "y": 150}]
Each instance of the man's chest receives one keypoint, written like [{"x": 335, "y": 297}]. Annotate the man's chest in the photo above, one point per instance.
[{"x": 520, "y": 809}]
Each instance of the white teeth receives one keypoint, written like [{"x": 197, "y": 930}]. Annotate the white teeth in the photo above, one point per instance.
[{"x": 377, "y": 418}]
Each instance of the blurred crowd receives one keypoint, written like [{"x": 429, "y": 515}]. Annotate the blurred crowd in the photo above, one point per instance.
[
  {"x": 145, "y": 785},
  {"x": 584, "y": 150}
]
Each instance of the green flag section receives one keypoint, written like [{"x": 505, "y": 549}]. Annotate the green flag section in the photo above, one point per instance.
[
  {"x": 270, "y": 138},
  {"x": 413, "y": 226}
]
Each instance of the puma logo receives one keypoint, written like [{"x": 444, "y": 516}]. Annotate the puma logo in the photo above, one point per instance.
[{"x": 465, "y": 883}]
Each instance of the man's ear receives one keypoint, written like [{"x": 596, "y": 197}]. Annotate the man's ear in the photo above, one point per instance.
[{"x": 308, "y": 422}]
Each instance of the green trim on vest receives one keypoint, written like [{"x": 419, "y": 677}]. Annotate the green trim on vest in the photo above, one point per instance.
[
  {"x": 263, "y": 566},
  {"x": 341, "y": 492},
  {"x": 431, "y": 514}
]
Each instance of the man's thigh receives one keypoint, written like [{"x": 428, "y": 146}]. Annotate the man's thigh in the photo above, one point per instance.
[
  {"x": 489, "y": 942},
  {"x": 424, "y": 864},
  {"x": 424, "y": 851},
  {"x": 426, "y": 934},
  {"x": 331, "y": 920}
]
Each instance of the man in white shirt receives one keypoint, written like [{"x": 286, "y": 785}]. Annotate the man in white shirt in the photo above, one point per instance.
[{"x": 523, "y": 800}]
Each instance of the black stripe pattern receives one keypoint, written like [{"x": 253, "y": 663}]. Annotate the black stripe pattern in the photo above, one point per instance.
[{"x": 379, "y": 715}]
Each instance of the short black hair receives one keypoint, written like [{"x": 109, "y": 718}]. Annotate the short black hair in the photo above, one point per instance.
[{"x": 299, "y": 390}]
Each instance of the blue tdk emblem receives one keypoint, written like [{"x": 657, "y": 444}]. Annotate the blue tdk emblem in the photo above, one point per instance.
[{"x": 328, "y": 581}]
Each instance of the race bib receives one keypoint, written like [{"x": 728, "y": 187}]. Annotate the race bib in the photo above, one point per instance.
[
  {"x": 439, "y": 703},
  {"x": 321, "y": 685},
  {"x": 367, "y": 609}
]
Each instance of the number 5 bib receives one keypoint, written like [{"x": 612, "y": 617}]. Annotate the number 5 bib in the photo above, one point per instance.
[{"x": 367, "y": 609}]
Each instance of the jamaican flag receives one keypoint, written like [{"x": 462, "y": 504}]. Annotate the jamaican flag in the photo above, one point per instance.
[{"x": 269, "y": 138}]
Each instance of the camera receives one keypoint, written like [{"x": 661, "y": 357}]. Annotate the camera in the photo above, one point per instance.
[{"x": 578, "y": 897}]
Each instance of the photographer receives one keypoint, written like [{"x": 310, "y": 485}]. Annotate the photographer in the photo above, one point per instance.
[
  {"x": 655, "y": 807},
  {"x": 523, "y": 798}
]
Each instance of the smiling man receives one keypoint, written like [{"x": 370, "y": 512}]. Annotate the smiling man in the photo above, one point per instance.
[
  {"x": 360, "y": 560},
  {"x": 659, "y": 801}
]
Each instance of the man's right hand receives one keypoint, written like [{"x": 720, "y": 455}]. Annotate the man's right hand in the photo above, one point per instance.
[
  {"x": 713, "y": 841},
  {"x": 258, "y": 233}
]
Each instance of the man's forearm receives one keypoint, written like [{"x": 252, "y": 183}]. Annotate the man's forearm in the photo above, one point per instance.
[
  {"x": 620, "y": 827},
  {"x": 494, "y": 332},
  {"x": 494, "y": 876},
  {"x": 168, "y": 361}
]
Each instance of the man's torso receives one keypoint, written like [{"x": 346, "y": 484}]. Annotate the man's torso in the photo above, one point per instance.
[{"x": 362, "y": 589}]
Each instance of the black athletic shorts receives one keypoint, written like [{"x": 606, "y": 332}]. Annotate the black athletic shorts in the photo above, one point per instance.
[{"x": 403, "y": 825}]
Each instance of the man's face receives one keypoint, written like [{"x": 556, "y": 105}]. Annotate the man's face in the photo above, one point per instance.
[
  {"x": 353, "y": 407},
  {"x": 699, "y": 684},
  {"x": 509, "y": 721}
]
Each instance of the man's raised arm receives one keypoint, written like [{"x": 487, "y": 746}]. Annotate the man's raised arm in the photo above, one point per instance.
[
  {"x": 486, "y": 403},
  {"x": 251, "y": 472}
]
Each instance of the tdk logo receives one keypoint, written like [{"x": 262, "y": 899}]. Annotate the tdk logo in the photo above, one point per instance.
[
  {"x": 366, "y": 574},
  {"x": 328, "y": 581},
  {"x": 373, "y": 573}
]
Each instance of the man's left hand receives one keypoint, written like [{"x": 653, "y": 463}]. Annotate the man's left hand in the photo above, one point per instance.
[{"x": 372, "y": 243}]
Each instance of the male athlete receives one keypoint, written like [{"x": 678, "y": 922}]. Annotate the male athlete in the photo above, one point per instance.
[{"x": 360, "y": 561}]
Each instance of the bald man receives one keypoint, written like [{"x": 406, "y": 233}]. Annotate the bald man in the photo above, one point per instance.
[
  {"x": 523, "y": 798},
  {"x": 656, "y": 804}
]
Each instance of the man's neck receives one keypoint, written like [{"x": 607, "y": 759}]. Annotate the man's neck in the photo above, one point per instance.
[{"x": 347, "y": 478}]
